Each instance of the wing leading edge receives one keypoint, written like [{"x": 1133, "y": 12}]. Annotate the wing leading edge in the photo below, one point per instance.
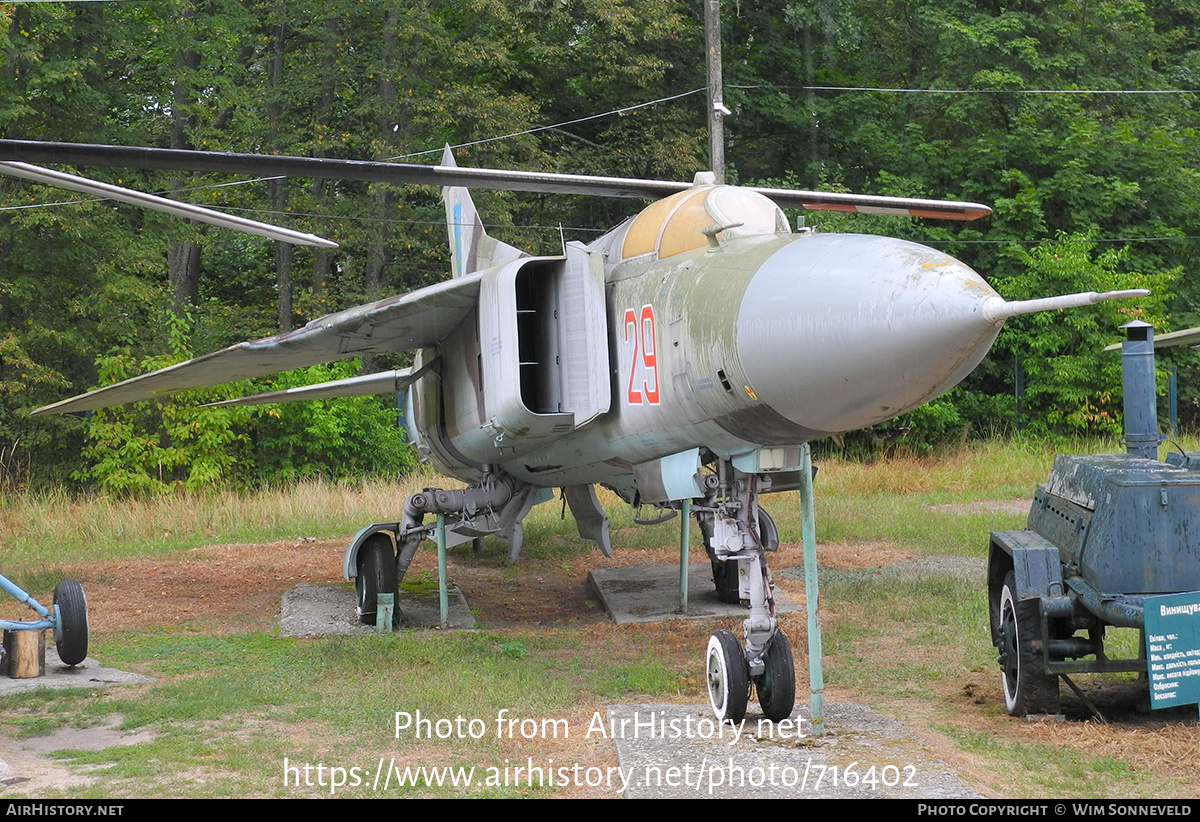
[
  {"x": 448, "y": 175},
  {"x": 418, "y": 319},
  {"x": 383, "y": 382},
  {"x": 1188, "y": 336}
]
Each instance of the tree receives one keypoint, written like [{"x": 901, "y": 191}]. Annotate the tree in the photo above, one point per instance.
[{"x": 1071, "y": 383}]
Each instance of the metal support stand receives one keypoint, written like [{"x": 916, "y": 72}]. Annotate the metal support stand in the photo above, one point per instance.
[
  {"x": 67, "y": 617},
  {"x": 685, "y": 516},
  {"x": 808, "y": 533},
  {"x": 443, "y": 594},
  {"x": 385, "y": 605}
]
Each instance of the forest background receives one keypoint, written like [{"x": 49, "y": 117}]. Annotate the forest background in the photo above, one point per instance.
[{"x": 1075, "y": 120}]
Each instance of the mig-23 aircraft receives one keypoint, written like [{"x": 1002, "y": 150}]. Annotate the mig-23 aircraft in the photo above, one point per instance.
[{"x": 686, "y": 355}]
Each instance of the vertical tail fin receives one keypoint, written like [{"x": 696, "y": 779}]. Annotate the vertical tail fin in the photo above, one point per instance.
[{"x": 471, "y": 249}]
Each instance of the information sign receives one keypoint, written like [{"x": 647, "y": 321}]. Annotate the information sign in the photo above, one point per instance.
[{"x": 1173, "y": 649}]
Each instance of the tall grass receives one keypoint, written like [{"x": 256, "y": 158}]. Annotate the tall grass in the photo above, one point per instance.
[
  {"x": 58, "y": 528},
  {"x": 988, "y": 469},
  {"x": 898, "y": 499},
  {"x": 856, "y": 500}
]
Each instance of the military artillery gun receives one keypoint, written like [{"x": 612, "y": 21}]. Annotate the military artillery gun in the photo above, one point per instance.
[{"x": 1104, "y": 532}]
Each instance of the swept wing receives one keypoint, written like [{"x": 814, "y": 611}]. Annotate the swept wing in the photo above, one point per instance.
[
  {"x": 1188, "y": 336},
  {"x": 382, "y": 382},
  {"x": 444, "y": 175},
  {"x": 405, "y": 322},
  {"x": 83, "y": 185}
]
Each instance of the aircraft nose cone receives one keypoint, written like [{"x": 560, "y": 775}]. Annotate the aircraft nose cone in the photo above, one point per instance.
[{"x": 842, "y": 331}]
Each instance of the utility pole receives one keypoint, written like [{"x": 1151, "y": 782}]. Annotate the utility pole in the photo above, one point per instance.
[{"x": 716, "y": 107}]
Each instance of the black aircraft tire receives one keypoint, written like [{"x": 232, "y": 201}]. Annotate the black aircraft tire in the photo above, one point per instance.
[
  {"x": 376, "y": 575},
  {"x": 728, "y": 677},
  {"x": 777, "y": 685},
  {"x": 71, "y": 633},
  {"x": 725, "y": 579},
  {"x": 1027, "y": 688}
]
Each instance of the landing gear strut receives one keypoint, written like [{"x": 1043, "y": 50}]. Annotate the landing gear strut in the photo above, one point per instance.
[
  {"x": 766, "y": 662},
  {"x": 737, "y": 535}
]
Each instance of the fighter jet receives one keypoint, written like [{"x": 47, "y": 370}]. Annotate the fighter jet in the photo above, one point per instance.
[{"x": 686, "y": 355}]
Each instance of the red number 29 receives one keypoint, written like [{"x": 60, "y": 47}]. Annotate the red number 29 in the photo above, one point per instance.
[{"x": 643, "y": 367}]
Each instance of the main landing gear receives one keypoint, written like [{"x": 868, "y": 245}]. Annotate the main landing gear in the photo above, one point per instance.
[{"x": 494, "y": 506}]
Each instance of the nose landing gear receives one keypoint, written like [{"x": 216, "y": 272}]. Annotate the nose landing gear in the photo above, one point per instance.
[{"x": 766, "y": 662}]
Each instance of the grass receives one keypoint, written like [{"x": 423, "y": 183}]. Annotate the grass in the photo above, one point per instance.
[
  {"x": 225, "y": 710},
  {"x": 40, "y": 533},
  {"x": 1045, "y": 768},
  {"x": 53, "y": 529},
  {"x": 228, "y": 708}
]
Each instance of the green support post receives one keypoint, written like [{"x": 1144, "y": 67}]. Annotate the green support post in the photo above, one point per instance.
[
  {"x": 685, "y": 514},
  {"x": 808, "y": 534},
  {"x": 443, "y": 596},
  {"x": 385, "y": 605}
]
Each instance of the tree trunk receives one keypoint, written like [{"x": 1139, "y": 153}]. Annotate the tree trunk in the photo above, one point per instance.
[
  {"x": 379, "y": 254},
  {"x": 183, "y": 256},
  {"x": 322, "y": 269},
  {"x": 277, "y": 189},
  {"x": 183, "y": 273}
]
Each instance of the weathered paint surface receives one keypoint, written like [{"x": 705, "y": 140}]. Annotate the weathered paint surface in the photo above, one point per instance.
[
  {"x": 701, "y": 323},
  {"x": 768, "y": 338},
  {"x": 1125, "y": 524}
]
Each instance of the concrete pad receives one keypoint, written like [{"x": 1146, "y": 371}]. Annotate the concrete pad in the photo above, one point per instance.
[
  {"x": 29, "y": 763},
  {"x": 650, "y": 593},
  {"x": 88, "y": 674},
  {"x": 679, "y": 752},
  {"x": 328, "y": 610}
]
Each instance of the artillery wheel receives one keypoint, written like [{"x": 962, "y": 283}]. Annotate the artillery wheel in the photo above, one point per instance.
[
  {"x": 777, "y": 685},
  {"x": 728, "y": 677},
  {"x": 376, "y": 575},
  {"x": 71, "y": 628},
  {"x": 1027, "y": 688}
]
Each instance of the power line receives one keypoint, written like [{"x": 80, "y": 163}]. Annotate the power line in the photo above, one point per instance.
[
  {"x": 1003, "y": 90},
  {"x": 885, "y": 90},
  {"x": 617, "y": 111},
  {"x": 556, "y": 125},
  {"x": 159, "y": 193},
  {"x": 331, "y": 217},
  {"x": 1187, "y": 237},
  {"x": 396, "y": 220}
]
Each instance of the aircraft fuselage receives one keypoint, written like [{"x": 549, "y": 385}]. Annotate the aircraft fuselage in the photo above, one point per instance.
[{"x": 771, "y": 339}]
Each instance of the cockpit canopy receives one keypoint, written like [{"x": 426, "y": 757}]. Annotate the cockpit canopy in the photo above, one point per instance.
[{"x": 677, "y": 224}]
